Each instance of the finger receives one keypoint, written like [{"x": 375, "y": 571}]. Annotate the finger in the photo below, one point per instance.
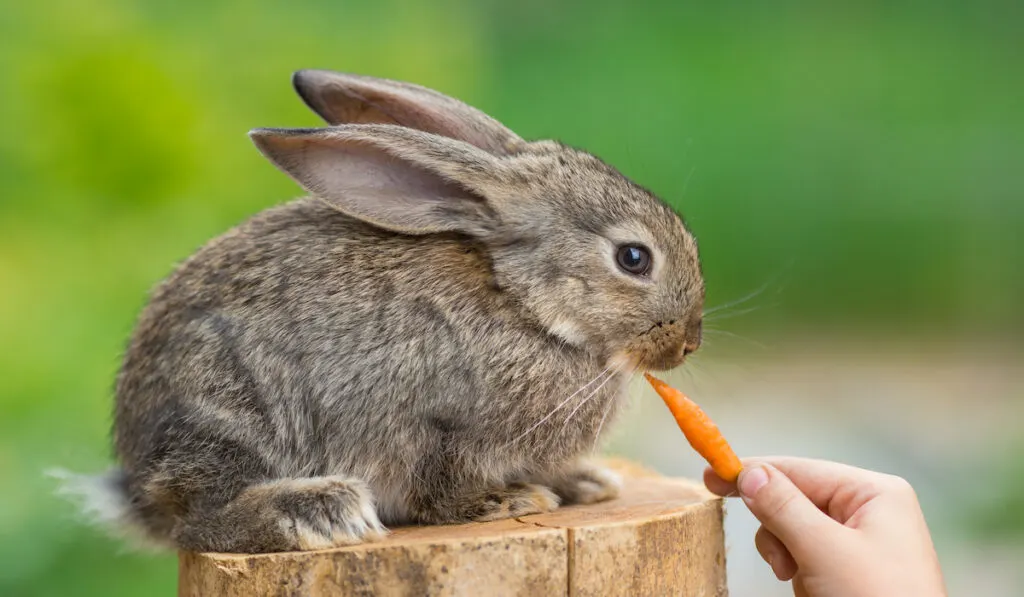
[
  {"x": 775, "y": 553},
  {"x": 820, "y": 480},
  {"x": 718, "y": 485},
  {"x": 799, "y": 590},
  {"x": 784, "y": 510}
]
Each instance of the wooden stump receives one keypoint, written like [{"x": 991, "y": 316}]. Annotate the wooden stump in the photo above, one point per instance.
[{"x": 661, "y": 537}]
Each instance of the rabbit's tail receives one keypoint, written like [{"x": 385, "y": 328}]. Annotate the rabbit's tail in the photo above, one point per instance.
[{"x": 102, "y": 501}]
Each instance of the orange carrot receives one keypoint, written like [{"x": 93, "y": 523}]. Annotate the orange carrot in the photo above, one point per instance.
[{"x": 700, "y": 431}]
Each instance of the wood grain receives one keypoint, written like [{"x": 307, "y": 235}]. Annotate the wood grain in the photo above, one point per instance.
[{"x": 662, "y": 536}]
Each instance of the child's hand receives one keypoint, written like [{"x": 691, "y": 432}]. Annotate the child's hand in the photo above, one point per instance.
[{"x": 837, "y": 530}]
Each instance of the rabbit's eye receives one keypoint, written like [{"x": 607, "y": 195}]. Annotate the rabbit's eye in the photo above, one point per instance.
[{"x": 634, "y": 259}]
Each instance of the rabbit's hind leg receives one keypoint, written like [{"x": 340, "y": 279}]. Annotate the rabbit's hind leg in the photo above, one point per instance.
[{"x": 285, "y": 515}]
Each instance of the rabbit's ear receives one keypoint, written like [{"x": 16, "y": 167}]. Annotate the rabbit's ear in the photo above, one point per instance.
[
  {"x": 341, "y": 98},
  {"x": 391, "y": 176}
]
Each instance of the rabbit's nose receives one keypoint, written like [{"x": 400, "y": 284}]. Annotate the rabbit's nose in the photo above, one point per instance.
[{"x": 695, "y": 335}]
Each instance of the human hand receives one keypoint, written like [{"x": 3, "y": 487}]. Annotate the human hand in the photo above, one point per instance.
[{"x": 837, "y": 530}]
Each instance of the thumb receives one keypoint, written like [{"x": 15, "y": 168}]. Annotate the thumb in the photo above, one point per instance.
[{"x": 784, "y": 510}]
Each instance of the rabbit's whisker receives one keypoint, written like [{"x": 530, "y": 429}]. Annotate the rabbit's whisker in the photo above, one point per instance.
[
  {"x": 561, "y": 404},
  {"x": 736, "y": 313},
  {"x": 608, "y": 409},
  {"x": 737, "y": 336},
  {"x": 727, "y": 310},
  {"x": 593, "y": 393},
  {"x": 739, "y": 301}
]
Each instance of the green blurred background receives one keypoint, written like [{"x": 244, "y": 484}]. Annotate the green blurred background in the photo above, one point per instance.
[{"x": 861, "y": 163}]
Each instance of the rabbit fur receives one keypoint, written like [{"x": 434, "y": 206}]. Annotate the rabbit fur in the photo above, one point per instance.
[{"x": 437, "y": 334}]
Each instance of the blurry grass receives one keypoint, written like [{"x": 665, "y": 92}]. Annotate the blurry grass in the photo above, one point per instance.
[
  {"x": 875, "y": 147},
  {"x": 997, "y": 510}
]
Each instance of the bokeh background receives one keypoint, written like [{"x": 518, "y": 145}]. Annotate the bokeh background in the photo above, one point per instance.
[{"x": 854, "y": 172}]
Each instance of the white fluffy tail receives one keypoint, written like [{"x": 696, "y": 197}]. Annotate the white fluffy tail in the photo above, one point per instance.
[{"x": 101, "y": 502}]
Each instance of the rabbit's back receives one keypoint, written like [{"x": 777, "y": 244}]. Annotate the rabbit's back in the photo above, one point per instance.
[{"x": 305, "y": 343}]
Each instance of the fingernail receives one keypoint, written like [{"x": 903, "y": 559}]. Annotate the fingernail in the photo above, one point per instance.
[{"x": 751, "y": 481}]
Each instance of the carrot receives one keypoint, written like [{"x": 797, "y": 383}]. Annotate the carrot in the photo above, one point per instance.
[{"x": 700, "y": 431}]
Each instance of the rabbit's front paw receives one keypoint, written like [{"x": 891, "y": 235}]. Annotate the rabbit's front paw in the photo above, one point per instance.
[
  {"x": 516, "y": 499},
  {"x": 327, "y": 512},
  {"x": 588, "y": 484}
]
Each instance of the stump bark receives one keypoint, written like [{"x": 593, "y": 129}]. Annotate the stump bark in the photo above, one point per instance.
[{"x": 662, "y": 536}]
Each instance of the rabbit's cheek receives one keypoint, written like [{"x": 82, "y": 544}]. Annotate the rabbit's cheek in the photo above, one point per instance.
[{"x": 568, "y": 330}]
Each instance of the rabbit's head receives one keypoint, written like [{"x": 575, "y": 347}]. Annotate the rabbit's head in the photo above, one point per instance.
[{"x": 597, "y": 260}]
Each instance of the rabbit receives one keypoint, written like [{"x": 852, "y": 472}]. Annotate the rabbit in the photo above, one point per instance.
[{"x": 439, "y": 333}]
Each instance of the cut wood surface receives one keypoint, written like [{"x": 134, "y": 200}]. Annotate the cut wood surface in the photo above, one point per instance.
[{"x": 662, "y": 536}]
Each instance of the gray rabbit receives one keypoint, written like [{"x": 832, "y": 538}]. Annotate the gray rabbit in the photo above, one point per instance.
[{"x": 438, "y": 334}]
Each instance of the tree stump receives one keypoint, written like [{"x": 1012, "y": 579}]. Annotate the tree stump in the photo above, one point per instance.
[{"x": 662, "y": 536}]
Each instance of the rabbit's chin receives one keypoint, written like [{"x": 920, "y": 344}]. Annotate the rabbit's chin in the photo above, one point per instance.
[
  {"x": 645, "y": 359},
  {"x": 641, "y": 360},
  {"x": 662, "y": 364}
]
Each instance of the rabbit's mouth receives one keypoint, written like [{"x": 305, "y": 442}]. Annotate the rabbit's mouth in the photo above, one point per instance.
[
  {"x": 665, "y": 345},
  {"x": 663, "y": 362}
]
